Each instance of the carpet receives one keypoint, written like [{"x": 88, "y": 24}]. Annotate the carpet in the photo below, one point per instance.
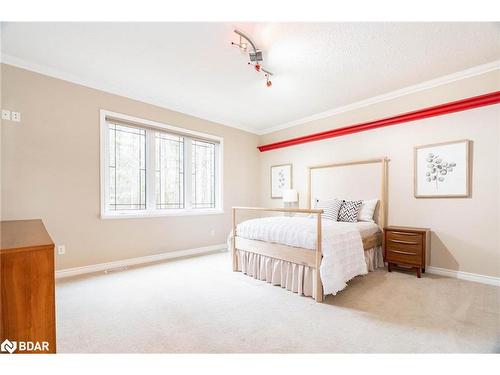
[{"x": 198, "y": 305}]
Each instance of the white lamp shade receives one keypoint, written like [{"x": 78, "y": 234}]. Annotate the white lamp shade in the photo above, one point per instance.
[{"x": 290, "y": 196}]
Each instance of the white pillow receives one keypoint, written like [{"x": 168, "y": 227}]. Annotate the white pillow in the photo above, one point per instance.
[
  {"x": 330, "y": 207},
  {"x": 367, "y": 210}
]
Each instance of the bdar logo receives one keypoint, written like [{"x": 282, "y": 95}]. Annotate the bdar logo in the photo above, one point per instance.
[{"x": 8, "y": 346}]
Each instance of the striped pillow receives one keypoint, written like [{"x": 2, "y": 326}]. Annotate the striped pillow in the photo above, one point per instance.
[{"x": 330, "y": 207}]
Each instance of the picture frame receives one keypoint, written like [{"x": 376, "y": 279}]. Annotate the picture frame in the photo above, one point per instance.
[
  {"x": 281, "y": 179},
  {"x": 443, "y": 170}
]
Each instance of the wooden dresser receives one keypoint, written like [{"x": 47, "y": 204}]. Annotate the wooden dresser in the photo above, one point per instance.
[
  {"x": 407, "y": 246},
  {"x": 27, "y": 286}
]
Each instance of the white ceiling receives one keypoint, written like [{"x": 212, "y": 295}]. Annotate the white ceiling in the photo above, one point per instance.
[{"x": 191, "y": 67}]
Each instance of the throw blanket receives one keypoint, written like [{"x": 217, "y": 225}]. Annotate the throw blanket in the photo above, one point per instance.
[{"x": 342, "y": 246}]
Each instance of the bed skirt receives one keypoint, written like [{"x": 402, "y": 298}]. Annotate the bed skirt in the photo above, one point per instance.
[{"x": 291, "y": 276}]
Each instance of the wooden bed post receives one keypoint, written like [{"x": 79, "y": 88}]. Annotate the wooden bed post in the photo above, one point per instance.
[
  {"x": 233, "y": 242},
  {"x": 319, "y": 285},
  {"x": 383, "y": 196},
  {"x": 309, "y": 176}
]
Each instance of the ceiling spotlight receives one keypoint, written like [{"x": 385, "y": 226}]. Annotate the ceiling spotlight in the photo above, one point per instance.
[
  {"x": 268, "y": 81},
  {"x": 254, "y": 55},
  {"x": 243, "y": 46}
]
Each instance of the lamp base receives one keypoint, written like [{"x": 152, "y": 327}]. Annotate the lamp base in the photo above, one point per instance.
[{"x": 290, "y": 205}]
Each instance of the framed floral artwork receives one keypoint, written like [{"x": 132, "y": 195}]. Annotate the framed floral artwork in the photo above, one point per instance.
[
  {"x": 443, "y": 170},
  {"x": 281, "y": 179}
]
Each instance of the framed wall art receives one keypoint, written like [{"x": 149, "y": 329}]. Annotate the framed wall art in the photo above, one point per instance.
[
  {"x": 281, "y": 179},
  {"x": 443, "y": 170}
]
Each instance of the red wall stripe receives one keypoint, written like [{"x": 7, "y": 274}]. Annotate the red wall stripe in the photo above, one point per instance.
[{"x": 442, "y": 109}]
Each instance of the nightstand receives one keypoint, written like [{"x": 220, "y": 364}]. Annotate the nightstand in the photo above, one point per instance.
[{"x": 407, "y": 246}]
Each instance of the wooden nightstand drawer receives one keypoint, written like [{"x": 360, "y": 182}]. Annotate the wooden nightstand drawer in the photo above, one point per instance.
[
  {"x": 405, "y": 242},
  {"x": 404, "y": 238},
  {"x": 404, "y": 256}
]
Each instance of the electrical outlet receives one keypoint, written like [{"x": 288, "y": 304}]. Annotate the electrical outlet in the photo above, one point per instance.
[
  {"x": 15, "y": 116},
  {"x": 61, "y": 249},
  {"x": 212, "y": 232},
  {"x": 5, "y": 114}
]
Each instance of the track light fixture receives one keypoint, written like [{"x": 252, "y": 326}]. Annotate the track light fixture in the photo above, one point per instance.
[{"x": 254, "y": 55}]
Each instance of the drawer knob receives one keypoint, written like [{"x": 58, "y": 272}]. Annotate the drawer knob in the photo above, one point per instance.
[
  {"x": 402, "y": 252},
  {"x": 406, "y": 233},
  {"x": 405, "y": 242}
]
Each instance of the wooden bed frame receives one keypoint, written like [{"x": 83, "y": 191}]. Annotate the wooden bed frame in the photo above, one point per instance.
[{"x": 300, "y": 255}]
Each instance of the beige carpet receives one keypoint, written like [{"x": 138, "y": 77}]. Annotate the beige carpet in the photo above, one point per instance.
[{"x": 199, "y": 305}]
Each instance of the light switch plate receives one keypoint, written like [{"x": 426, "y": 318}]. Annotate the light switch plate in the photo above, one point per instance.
[
  {"x": 61, "y": 249},
  {"x": 15, "y": 116},
  {"x": 5, "y": 114}
]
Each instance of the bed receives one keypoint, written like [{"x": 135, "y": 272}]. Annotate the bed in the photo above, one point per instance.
[{"x": 305, "y": 253}]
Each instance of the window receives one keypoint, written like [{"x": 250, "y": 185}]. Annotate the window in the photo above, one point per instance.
[
  {"x": 203, "y": 174},
  {"x": 127, "y": 168},
  {"x": 169, "y": 168},
  {"x": 152, "y": 169}
]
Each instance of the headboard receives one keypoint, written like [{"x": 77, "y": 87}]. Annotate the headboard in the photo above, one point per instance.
[{"x": 361, "y": 179}]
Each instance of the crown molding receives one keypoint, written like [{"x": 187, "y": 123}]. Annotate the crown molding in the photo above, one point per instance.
[
  {"x": 457, "y": 76},
  {"x": 62, "y": 75},
  {"x": 65, "y": 76},
  {"x": 438, "y": 110}
]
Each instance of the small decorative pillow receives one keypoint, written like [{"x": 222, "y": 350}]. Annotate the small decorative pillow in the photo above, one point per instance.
[
  {"x": 349, "y": 211},
  {"x": 330, "y": 207},
  {"x": 367, "y": 210}
]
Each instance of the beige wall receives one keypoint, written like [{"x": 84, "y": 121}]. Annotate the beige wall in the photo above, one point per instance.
[
  {"x": 465, "y": 231},
  {"x": 50, "y": 170}
]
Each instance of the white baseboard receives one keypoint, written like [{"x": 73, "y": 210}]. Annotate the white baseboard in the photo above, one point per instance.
[
  {"x": 491, "y": 280},
  {"x": 68, "y": 272}
]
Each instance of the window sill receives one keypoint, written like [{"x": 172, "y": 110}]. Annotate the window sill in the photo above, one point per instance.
[{"x": 151, "y": 214}]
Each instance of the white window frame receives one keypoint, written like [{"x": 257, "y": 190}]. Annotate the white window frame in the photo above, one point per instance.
[{"x": 151, "y": 210}]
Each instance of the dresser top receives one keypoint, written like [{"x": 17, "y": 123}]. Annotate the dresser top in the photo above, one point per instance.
[
  {"x": 406, "y": 229},
  {"x": 24, "y": 235}
]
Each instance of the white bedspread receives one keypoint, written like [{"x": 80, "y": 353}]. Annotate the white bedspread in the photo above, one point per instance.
[{"x": 342, "y": 246}]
